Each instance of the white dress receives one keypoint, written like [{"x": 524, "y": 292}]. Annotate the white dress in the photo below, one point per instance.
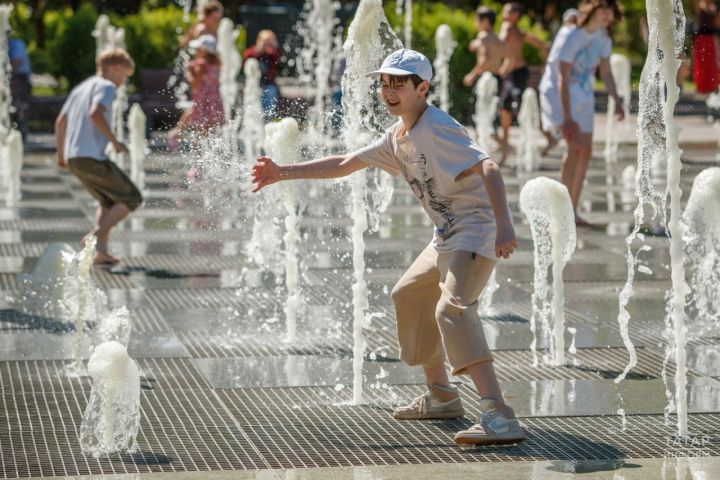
[{"x": 584, "y": 51}]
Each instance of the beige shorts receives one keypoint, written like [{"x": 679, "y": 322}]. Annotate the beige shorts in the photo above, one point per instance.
[
  {"x": 106, "y": 182},
  {"x": 436, "y": 304}
]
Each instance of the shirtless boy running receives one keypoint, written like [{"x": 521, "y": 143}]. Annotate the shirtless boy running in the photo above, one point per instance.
[
  {"x": 514, "y": 70},
  {"x": 488, "y": 48}
]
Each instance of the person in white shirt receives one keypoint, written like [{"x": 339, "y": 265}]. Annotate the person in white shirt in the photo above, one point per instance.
[
  {"x": 462, "y": 191},
  {"x": 82, "y": 131},
  {"x": 567, "y": 100}
]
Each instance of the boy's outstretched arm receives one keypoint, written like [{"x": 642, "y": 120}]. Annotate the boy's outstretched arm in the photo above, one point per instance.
[
  {"x": 266, "y": 172},
  {"x": 505, "y": 241},
  {"x": 60, "y": 132}
]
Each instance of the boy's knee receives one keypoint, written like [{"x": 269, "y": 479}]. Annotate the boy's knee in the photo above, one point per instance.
[{"x": 399, "y": 292}]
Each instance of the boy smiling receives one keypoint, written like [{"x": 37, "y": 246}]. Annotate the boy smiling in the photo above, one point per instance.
[{"x": 462, "y": 191}]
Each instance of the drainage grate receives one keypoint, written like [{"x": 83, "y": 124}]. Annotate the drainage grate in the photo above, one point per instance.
[
  {"x": 203, "y": 430},
  {"x": 45, "y": 225},
  {"x": 25, "y": 249}
]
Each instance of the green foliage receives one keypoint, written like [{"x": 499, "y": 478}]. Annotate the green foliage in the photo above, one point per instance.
[
  {"x": 152, "y": 36},
  {"x": 427, "y": 16},
  {"x": 71, "y": 51}
]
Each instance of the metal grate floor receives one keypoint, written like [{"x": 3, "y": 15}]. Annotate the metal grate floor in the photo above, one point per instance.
[{"x": 189, "y": 429}]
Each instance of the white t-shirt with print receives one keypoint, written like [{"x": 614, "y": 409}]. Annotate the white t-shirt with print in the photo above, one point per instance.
[
  {"x": 82, "y": 139},
  {"x": 430, "y": 157}
]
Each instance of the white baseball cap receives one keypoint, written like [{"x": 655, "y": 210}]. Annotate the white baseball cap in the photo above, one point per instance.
[
  {"x": 405, "y": 62},
  {"x": 206, "y": 42},
  {"x": 570, "y": 12}
]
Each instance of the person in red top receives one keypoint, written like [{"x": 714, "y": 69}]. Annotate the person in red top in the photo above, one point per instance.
[
  {"x": 267, "y": 53},
  {"x": 706, "y": 64}
]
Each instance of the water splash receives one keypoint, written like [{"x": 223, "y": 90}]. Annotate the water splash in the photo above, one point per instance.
[
  {"x": 111, "y": 419},
  {"x": 486, "y": 103},
  {"x": 137, "y": 126},
  {"x": 547, "y": 206},
  {"x": 444, "y": 47},
  {"x": 528, "y": 154},
  {"x": 370, "y": 39},
  {"x": 620, "y": 68},
  {"x": 658, "y": 137}
]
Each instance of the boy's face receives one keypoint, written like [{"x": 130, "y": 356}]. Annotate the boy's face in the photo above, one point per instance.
[
  {"x": 400, "y": 95},
  {"x": 118, "y": 74}
]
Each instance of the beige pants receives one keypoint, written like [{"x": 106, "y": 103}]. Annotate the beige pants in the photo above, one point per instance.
[{"x": 436, "y": 306}]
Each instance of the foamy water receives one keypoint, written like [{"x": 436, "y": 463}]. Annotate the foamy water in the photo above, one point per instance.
[
  {"x": 546, "y": 204},
  {"x": 111, "y": 419}
]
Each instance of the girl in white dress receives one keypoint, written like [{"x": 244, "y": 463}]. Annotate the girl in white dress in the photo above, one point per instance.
[{"x": 567, "y": 99}]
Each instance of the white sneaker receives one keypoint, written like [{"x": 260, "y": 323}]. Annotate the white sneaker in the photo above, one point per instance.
[
  {"x": 497, "y": 425},
  {"x": 428, "y": 407}
]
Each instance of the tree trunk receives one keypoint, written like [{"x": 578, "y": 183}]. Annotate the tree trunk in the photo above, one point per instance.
[{"x": 37, "y": 18}]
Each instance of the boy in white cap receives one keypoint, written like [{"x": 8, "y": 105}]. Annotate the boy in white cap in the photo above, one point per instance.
[{"x": 462, "y": 191}]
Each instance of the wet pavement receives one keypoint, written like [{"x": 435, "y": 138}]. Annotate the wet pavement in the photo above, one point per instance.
[{"x": 223, "y": 390}]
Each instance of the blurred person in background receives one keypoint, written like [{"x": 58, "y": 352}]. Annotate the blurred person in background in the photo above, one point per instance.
[
  {"x": 267, "y": 53},
  {"x": 20, "y": 86}
]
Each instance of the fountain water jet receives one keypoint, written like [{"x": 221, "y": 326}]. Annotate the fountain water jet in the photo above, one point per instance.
[
  {"x": 370, "y": 39},
  {"x": 528, "y": 156},
  {"x": 702, "y": 248},
  {"x": 112, "y": 417},
  {"x": 546, "y": 203},
  {"x": 315, "y": 60},
  {"x": 11, "y": 148},
  {"x": 620, "y": 68},
  {"x": 282, "y": 139},
  {"x": 486, "y": 103},
  {"x": 658, "y": 96},
  {"x": 137, "y": 127},
  {"x": 106, "y": 38},
  {"x": 230, "y": 64},
  {"x": 85, "y": 262},
  {"x": 444, "y": 47},
  {"x": 43, "y": 291}
]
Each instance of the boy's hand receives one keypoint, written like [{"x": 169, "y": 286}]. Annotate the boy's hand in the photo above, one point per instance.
[
  {"x": 619, "y": 112},
  {"x": 569, "y": 130},
  {"x": 61, "y": 161},
  {"x": 505, "y": 241},
  {"x": 265, "y": 172},
  {"x": 119, "y": 147}
]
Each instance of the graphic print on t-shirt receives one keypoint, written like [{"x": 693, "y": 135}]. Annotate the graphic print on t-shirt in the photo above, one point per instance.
[{"x": 425, "y": 189}]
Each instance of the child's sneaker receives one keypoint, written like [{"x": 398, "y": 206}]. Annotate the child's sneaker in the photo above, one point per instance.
[
  {"x": 497, "y": 425},
  {"x": 428, "y": 407}
]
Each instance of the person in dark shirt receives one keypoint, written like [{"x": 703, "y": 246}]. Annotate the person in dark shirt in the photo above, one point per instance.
[{"x": 267, "y": 53}]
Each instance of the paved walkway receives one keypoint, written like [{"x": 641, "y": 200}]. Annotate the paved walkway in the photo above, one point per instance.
[{"x": 221, "y": 390}]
